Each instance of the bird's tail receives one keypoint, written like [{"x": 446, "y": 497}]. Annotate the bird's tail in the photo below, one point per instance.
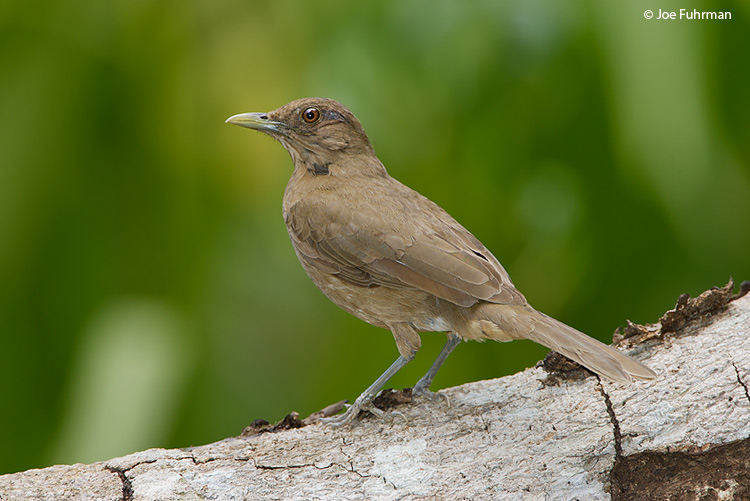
[{"x": 506, "y": 322}]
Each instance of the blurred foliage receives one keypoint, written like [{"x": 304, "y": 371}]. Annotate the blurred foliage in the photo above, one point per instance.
[{"x": 149, "y": 296}]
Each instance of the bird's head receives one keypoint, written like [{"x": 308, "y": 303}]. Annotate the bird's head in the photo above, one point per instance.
[{"x": 317, "y": 133}]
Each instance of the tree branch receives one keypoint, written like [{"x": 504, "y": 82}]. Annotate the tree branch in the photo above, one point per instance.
[{"x": 529, "y": 435}]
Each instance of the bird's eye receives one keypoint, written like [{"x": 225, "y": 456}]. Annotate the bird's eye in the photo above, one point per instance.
[{"x": 311, "y": 115}]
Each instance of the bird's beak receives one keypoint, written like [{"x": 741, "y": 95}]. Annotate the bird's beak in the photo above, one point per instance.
[{"x": 258, "y": 121}]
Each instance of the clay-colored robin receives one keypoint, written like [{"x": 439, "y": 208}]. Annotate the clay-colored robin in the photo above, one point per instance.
[{"x": 393, "y": 258}]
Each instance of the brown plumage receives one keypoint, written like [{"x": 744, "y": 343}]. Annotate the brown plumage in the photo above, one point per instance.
[{"x": 393, "y": 258}]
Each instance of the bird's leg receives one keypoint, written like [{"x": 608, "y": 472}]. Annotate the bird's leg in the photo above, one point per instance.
[
  {"x": 364, "y": 401},
  {"x": 422, "y": 387}
]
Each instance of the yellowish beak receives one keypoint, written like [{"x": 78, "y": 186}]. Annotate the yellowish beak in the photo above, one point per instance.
[{"x": 258, "y": 121}]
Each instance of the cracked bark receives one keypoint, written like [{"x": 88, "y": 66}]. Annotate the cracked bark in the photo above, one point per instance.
[
  {"x": 613, "y": 419},
  {"x": 741, "y": 382},
  {"x": 685, "y": 435},
  {"x": 127, "y": 487}
]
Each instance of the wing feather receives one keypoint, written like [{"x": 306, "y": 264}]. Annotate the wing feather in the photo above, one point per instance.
[{"x": 433, "y": 254}]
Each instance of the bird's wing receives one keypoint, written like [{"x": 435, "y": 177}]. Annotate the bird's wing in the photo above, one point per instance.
[{"x": 433, "y": 252}]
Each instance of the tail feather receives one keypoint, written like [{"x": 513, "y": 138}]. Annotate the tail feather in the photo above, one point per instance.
[{"x": 594, "y": 355}]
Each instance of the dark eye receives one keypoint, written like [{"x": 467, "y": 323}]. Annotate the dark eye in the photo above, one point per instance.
[{"x": 311, "y": 115}]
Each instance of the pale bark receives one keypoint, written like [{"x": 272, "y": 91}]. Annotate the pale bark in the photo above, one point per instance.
[{"x": 516, "y": 437}]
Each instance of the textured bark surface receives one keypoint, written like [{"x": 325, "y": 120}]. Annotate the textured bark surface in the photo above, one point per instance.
[{"x": 685, "y": 435}]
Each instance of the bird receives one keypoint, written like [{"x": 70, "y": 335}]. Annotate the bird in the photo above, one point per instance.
[{"x": 390, "y": 256}]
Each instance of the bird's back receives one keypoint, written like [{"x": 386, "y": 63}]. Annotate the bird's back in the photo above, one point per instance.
[{"x": 379, "y": 232}]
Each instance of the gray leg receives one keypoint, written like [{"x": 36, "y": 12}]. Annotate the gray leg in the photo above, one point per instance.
[
  {"x": 364, "y": 401},
  {"x": 423, "y": 385}
]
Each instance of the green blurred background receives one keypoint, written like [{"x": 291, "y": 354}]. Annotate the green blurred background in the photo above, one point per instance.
[{"x": 149, "y": 296}]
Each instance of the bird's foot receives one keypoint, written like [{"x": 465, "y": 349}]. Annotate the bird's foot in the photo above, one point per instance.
[
  {"x": 339, "y": 420},
  {"x": 353, "y": 410},
  {"x": 423, "y": 391}
]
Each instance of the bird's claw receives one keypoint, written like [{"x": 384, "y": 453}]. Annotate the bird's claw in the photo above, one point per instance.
[
  {"x": 423, "y": 392},
  {"x": 380, "y": 413},
  {"x": 353, "y": 410},
  {"x": 339, "y": 420}
]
